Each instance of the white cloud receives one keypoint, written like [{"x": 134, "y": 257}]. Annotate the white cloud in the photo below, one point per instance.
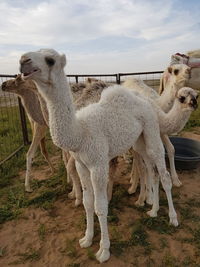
[{"x": 157, "y": 25}]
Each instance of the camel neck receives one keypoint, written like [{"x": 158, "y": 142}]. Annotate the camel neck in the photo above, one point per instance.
[
  {"x": 166, "y": 100},
  {"x": 32, "y": 106},
  {"x": 175, "y": 119},
  {"x": 64, "y": 127}
]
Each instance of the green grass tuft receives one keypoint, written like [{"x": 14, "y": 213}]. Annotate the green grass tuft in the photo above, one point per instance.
[
  {"x": 42, "y": 232},
  {"x": 6, "y": 214},
  {"x": 139, "y": 236},
  {"x": 90, "y": 254},
  {"x": 73, "y": 265},
  {"x": 169, "y": 261},
  {"x": 118, "y": 247},
  {"x": 30, "y": 256},
  {"x": 159, "y": 224},
  {"x": 2, "y": 251},
  {"x": 70, "y": 248}
]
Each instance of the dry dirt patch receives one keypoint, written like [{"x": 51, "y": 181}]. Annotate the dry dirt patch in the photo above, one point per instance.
[{"x": 49, "y": 237}]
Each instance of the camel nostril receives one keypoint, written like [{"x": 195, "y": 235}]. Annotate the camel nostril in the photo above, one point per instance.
[{"x": 194, "y": 103}]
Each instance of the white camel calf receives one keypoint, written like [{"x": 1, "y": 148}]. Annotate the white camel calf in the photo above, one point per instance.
[{"x": 95, "y": 135}]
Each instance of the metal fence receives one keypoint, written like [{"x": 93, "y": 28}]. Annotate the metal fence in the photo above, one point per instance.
[
  {"x": 13, "y": 126},
  {"x": 13, "y": 123},
  {"x": 151, "y": 78}
]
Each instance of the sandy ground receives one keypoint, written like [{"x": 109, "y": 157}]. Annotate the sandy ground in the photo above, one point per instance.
[{"x": 64, "y": 226}]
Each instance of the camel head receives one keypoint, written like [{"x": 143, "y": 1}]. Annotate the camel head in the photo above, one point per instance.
[
  {"x": 95, "y": 84},
  {"x": 17, "y": 85},
  {"x": 13, "y": 85},
  {"x": 187, "y": 97},
  {"x": 179, "y": 74},
  {"x": 175, "y": 77},
  {"x": 179, "y": 59},
  {"x": 91, "y": 80},
  {"x": 43, "y": 66}
]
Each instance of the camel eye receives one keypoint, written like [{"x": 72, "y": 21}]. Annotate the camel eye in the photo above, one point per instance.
[
  {"x": 182, "y": 99},
  {"x": 50, "y": 61},
  {"x": 176, "y": 71}
]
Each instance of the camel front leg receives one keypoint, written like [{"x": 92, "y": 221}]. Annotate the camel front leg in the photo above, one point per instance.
[
  {"x": 99, "y": 177},
  {"x": 170, "y": 151},
  {"x": 38, "y": 135},
  {"x": 167, "y": 186},
  {"x": 88, "y": 202}
]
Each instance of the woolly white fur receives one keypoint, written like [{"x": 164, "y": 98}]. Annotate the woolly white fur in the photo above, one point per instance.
[
  {"x": 170, "y": 123},
  {"x": 95, "y": 135}
]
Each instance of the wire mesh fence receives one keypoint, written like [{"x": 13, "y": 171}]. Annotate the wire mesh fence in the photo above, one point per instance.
[
  {"x": 11, "y": 116},
  {"x": 13, "y": 123}
]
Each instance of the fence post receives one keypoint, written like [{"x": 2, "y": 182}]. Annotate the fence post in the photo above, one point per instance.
[
  {"x": 118, "y": 78},
  {"x": 23, "y": 122},
  {"x": 76, "y": 77}
]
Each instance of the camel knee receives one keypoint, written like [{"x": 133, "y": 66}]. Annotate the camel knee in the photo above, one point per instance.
[
  {"x": 29, "y": 158},
  {"x": 101, "y": 209},
  {"x": 71, "y": 168},
  {"x": 88, "y": 205},
  {"x": 151, "y": 154},
  {"x": 171, "y": 151},
  {"x": 166, "y": 181},
  {"x": 88, "y": 199},
  {"x": 101, "y": 203}
]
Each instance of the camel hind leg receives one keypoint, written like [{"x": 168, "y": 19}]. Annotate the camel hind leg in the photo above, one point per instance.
[
  {"x": 45, "y": 154},
  {"x": 134, "y": 174},
  {"x": 156, "y": 155},
  {"x": 38, "y": 134},
  {"x": 170, "y": 151}
]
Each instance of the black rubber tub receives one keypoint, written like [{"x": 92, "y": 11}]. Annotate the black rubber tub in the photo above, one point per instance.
[{"x": 187, "y": 153}]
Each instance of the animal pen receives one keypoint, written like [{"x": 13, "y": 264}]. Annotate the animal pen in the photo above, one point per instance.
[{"x": 13, "y": 122}]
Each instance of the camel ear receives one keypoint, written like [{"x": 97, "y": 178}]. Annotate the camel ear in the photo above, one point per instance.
[
  {"x": 18, "y": 79},
  {"x": 63, "y": 60},
  {"x": 188, "y": 70},
  {"x": 169, "y": 69},
  {"x": 88, "y": 80},
  {"x": 177, "y": 57}
]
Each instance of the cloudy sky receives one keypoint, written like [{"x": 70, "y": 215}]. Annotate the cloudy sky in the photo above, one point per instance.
[{"x": 101, "y": 36}]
